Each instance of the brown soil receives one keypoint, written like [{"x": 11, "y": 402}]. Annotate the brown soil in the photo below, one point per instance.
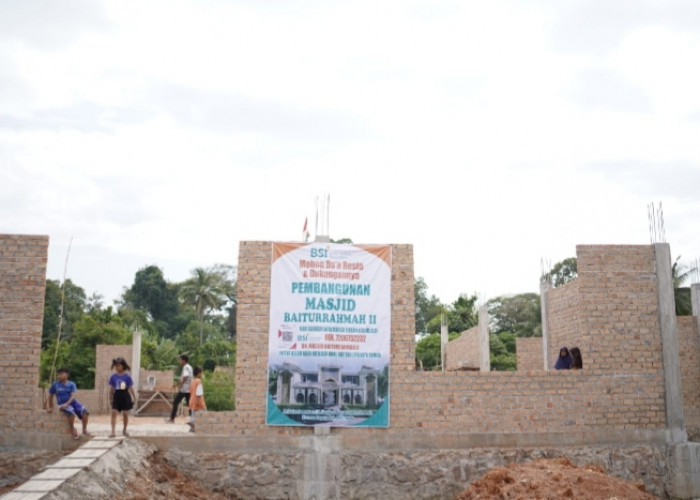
[
  {"x": 554, "y": 478},
  {"x": 18, "y": 466},
  {"x": 160, "y": 480}
]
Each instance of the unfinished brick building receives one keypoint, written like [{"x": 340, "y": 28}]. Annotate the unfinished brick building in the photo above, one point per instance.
[{"x": 629, "y": 413}]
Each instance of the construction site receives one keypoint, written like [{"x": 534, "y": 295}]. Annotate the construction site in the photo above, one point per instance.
[{"x": 630, "y": 418}]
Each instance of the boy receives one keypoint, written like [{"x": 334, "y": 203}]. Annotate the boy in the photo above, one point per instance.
[
  {"x": 183, "y": 391},
  {"x": 65, "y": 390}
]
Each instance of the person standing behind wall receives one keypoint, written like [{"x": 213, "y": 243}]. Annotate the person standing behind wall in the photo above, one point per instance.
[
  {"x": 183, "y": 391},
  {"x": 563, "y": 360},
  {"x": 576, "y": 359}
]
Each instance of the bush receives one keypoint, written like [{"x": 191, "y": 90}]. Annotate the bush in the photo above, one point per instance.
[{"x": 219, "y": 388}]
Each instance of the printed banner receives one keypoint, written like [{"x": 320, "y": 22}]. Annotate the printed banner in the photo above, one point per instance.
[{"x": 330, "y": 335}]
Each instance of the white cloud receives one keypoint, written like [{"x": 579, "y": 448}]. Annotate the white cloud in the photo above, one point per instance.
[{"x": 487, "y": 135}]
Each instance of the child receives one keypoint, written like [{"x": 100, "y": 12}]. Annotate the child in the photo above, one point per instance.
[
  {"x": 121, "y": 392},
  {"x": 196, "y": 396},
  {"x": 65, "y": 390}
]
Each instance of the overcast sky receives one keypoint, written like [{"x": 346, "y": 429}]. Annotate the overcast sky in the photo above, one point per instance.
[{"x": 489, "y": 135}]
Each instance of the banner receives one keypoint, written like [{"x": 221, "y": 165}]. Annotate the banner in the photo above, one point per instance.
[{"x": 330, "y": 335}]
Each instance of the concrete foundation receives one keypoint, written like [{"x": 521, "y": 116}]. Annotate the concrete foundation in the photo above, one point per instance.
[
  {"x": 328, "y": 466},
  {"x": 684, "y": 471}
]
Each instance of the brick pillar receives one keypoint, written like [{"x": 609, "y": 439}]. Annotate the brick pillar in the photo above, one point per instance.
[{"x": 22, "y": 289}]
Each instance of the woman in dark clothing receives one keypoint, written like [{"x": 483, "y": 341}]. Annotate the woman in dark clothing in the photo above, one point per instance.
[
  {"x": 564, "y": 359},
  {"x": 576, "y": 360}
]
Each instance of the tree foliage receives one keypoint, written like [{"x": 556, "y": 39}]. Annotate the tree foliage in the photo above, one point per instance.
[
  {"x": 520, "y": 315},
  {"x": 463, "y": 314},
  {"x": 428, "y": 351},
  {"x": 74, "y": 304},
  {"x": 426, "y": 307},
  {"x": 200, "y": 325},
  {"x": 206, "y": 290},
  {"x": 502, "y": 358},
  {"x": 563, "y": 272},
  {"x": 680, "y": 273}
]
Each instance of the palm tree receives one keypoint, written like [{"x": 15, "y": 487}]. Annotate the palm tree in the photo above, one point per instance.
[
  {"x": 680, "y": 273},
  {"x": 204, "y": 290}
]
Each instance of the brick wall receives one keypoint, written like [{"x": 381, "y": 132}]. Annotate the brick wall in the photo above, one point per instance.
[
  {"x": 463, "y": 352},
  {"x": 689, "y": 354},
  {"x": 104, "y": 354},
  {"x": 22, "y": 288},
  {"x": 164, "y": 379},
  {"x": 563, "y": 320},
  {"x": 529, "y": 353},
  {"x": 619, "y": 311},
  {"x": 600, "y": 397}
]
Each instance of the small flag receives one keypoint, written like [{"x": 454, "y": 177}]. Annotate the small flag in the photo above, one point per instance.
[{"x": 305, "y": 232}]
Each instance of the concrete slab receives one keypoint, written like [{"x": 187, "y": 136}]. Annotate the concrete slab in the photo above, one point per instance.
[
  {"x": 16, "y": 495},
  {"x": 57, "y": 474},
  {"x": 71, "y": 463},
  {"x": 82, "y": 453},
  {"x": 100, "y": 444},
  {"x": 38, "y": 486}
]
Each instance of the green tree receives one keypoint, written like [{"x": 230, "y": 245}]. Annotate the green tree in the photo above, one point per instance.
[
  {"x": 151, "y": 293},
  {"x": 159, "y": 355},
  {"x": 205, "y": 290},
  {"x": 229, "y": 277},
  {"x": 78, "y": 354},
  {"x": 219, "y": 388},
  {"x": 563, "y": 272},
  {"x": 501, "y": 358},
  {"x": 519, "y": 314},
  {"x": 680, "y": 273},
  {"x": 427, "y": 308},
  {"x": 428, "y": 350},
  {"x": 74, "y": 305},
  {"x": 462, "y": 314}
]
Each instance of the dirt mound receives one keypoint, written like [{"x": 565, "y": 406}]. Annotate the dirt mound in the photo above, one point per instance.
[
  {"x": 159, "y": 480},
  {"x": 553, "y": 478}
]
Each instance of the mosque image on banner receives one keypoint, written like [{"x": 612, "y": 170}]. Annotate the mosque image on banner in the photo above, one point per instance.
[{"x": 330, "y": 335}]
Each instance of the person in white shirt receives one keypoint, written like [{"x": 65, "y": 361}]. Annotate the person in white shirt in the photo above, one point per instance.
[{"x": 183, "y": 387}]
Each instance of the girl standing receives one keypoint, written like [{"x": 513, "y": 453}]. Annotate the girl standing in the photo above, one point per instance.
[
  {"x": 196, "y": 396},
  {"x": 121, "y": 392}
]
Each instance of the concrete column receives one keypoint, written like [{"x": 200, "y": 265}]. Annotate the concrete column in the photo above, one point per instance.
[
  {"x": 695, "y": 299},
  {"x": 675, "y": 419},
  {"x": 683, "y": 477},
  {"x": 136, "y": 361},
  {"x": 444, "y": 338},
  {"x": 484, "y": 347},
  {"x": 321, "y": 466},
  {"x": 545, "y": 287}
]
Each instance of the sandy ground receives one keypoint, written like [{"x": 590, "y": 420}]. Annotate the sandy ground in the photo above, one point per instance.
[{"x": 99, "y": 425}]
